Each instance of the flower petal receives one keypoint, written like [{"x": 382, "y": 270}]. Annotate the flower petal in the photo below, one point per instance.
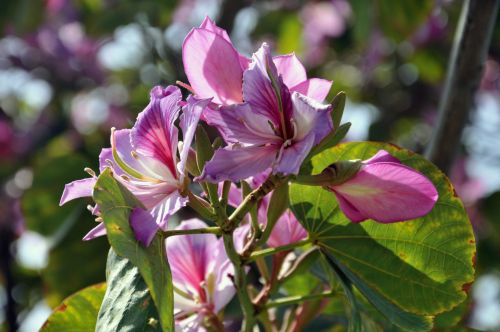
[
  {"x": 144, "y": 226},
  {"x": 291, "y": 69},
  {"x": 382, "y": 156},
  {"x": 189, "y": 257},
  {"x": 209, "y": 25},
  {"x": 287, "y": 230},
  {"x": 238, "y": 163},
  {"x": 292, "y": 156},
  {"x": 310, "y": 116},
  {"x": 99, "y": 230},
  {"x": 189, "y": 120},
  {"x": 145, "y": 223},
  {"x": 154, "y": 134},
  {"x": 261, "y": 86},
  {"x": 77, "y": 189},
  {"x": 239, "y": 124},
  {"x": 212, "y": 66},
  {"x": 315, "y": 88},
  {"x": 386, "y": 192}
]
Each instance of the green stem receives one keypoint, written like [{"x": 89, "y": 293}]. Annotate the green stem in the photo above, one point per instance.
[
  {"x": 272, "y": 251},
  {"x": 240, "y": 283},
  {"x": 207, "y": 230},
  {"x": 298, "y": 299},
  {"x": 250, "y": 200}
]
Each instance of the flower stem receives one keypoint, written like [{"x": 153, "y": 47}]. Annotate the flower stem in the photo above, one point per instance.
[
  {"x": 297, "y": 299},
  {"x": 252, "y": 199},
  {"x": 207, "y": 230},
  {"x": 240, "y": 283},
  {"x": 272, "y": 251}
]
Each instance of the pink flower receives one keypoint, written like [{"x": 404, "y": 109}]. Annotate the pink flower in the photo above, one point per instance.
[
  {"x": 273, "y": 128},
  {"x": 215, "y": 68},
  {"x": 386, "y": 191},
  {"x": 144, "y": 159},
  {"x": 201, "y": 274}
]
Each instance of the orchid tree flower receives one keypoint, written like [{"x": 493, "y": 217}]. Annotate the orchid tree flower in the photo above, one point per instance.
[
  {"x": 386, "y": 191},
  {"x": 201, "y": 275},
  {"x": 144, "y": 159},
  {"x": 273, "y": 128},
  {"x": 215, "y": 69},
  {"x": 287, "y": 228}
]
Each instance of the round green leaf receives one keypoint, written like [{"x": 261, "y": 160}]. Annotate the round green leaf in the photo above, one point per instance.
[
  {"x": 78, "y": 312},
  {"x": 424, "y": 266}
]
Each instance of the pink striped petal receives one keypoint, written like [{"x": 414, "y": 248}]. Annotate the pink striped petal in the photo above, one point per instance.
[
  {"x": 293, "y": 155},
  {"x": 212, "y": 66},
  {"x": 310, "y": 116},
  {"x": 240, "y": 124},
  {"x": 386, "y": 192},
  {"x": 77, "y": 189},
  {"x": 315, "y": 88},
  {"x": 259, "y": 93},
  {"x": 238, "y": 163},
  {"x": 189, "y": 120},
  {"x": 154, "y": 134}
]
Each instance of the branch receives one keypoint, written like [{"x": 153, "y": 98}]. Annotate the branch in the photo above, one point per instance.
[
  {"x": 298, "y": 299},
  {"x": 470, "y": 47},
  {"x": 206, "y": 230},
  {"x": 272, "y": 251}
]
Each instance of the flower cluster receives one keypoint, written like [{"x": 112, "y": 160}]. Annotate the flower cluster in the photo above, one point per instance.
[{"x": 270, "y": 116}]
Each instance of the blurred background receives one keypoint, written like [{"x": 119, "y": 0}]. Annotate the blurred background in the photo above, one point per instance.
[{"x": 70, "y": 70}]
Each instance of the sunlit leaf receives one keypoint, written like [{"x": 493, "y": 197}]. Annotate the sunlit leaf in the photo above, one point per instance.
[
  {"x": 116, "y": 202},
  {"x": 423, "y": 266},
  {"x": 78, "y": 312},
  {"x": 127, "y": 304}
]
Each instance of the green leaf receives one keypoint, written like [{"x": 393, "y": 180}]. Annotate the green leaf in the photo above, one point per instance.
[
  {"x": 127, "y": 304},
  {"x": 338, "y": 105},
  {"x": 78, "y": 312},
  {"x": 397, "y": 316},
  {"x": 116, "y": 202},
  {"x": 423, "y": 266}
]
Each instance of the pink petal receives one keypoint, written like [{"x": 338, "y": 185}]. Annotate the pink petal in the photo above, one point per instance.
[
  {"x": 292, "y": 156},
  {"x": 291, "y": 69},
  {"x": 382, "y": 156},
  {"x": 77, "y": 189},
  {"x": 189, "y": 256},
  {"x": 144, "y": 226},
  {"x": 287, "y": 230},
  {"x": 386, "y": 192},
  {"x": 310, "y": 116},
  {"x": 209, "y": 25},
  {"x": 99, "y": 230},
  {"x": 212, "y": 66},
  {"x": 238, "y": 163},
  {"x": 259, "y": 93},
  {"x": 189, "y": 120},
  {"x": 154, "y": 134},
  {"x": 240, "y": 124},
  {"x": 315, "y": 88},
  {"x": 145, "y": 223}
]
